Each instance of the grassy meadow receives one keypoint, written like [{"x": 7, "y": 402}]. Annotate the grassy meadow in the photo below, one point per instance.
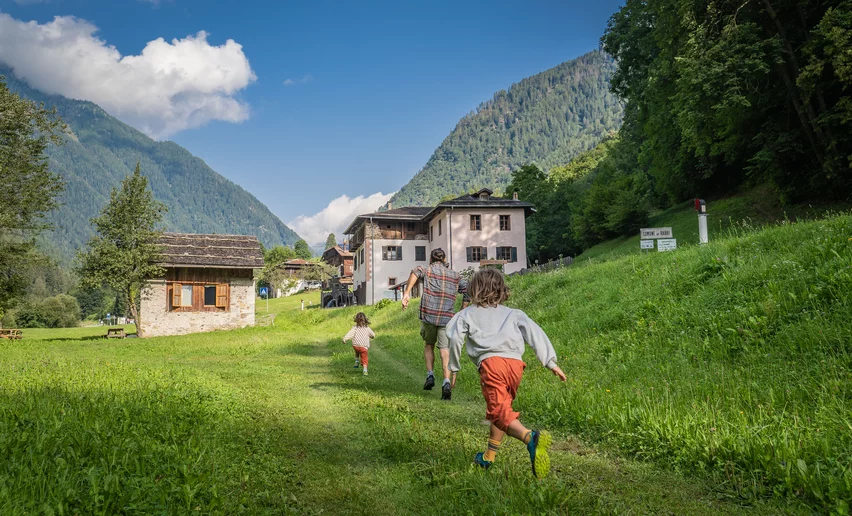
[{"x": 710, "y": 380}]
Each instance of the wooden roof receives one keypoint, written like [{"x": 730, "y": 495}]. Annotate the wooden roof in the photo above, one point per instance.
[{"x": 214, "y": 251}]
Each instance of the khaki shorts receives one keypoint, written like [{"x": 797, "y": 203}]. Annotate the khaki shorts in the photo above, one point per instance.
[{"x": 436, "y": 335}]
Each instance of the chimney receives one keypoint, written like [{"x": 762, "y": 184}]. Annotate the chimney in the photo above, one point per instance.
[
  {"x": 390, "y": 205},
  {"x": 515, "y": 196}
]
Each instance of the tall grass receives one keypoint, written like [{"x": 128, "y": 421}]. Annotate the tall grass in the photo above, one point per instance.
[{"x": 733, "y": 358}]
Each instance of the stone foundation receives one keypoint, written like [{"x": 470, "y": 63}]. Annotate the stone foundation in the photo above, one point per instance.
[{"x": 158, "y": 320}]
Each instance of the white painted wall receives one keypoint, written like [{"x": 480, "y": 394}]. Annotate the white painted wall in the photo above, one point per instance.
[{"x": 490, "y": 236}]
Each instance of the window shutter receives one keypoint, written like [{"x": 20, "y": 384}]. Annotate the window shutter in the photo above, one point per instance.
[
  {"x": 469, "y": 254},
  {"x": 384, "y": 252},
  {"x": 514, "y": 254},
  {"x": 222, "y": 295},
  {"x": 177, "y": 288},
  {"x": 484, "y": 253},
  {"x": 399, "y": 252}
]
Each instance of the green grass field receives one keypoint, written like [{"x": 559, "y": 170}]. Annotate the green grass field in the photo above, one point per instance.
[{"x": 711, "y": 380}]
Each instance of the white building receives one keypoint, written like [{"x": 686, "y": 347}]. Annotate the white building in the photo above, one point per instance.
[{"x": 471, "y": 229}]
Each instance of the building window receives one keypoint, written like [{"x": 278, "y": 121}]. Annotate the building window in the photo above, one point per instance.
[
  {"x": 185, "y": 295},
  {"x": 439, "y": 228},
  {"x": 392, "y": 252},
  {"x": 362, "y": 256},
  {"x": 431, "y": 233},
  {"x": 210, "y": 295},
  {"x": 391, "y": 282},
  {"x": 505, "y": 223},
  {"x": 410, "y": 227},
  {"x": 475, "y": 222},
  {"x": 477, "y": 254},
  {"x": 510, "y": 254},
  {"x": 420, "y": 253},
  {"x": 199, "y": 297}
]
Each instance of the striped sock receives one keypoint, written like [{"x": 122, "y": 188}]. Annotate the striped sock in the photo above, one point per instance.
[{"x": 491, "y": 452}]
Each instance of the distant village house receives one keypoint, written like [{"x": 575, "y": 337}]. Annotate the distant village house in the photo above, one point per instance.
[
  {"x": 474, "y": 230},
  {"x": 208, "y": 285}
]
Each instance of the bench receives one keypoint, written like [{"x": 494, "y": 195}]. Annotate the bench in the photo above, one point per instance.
[
  {"x": 13, "y": 334},
  {"x": 115, "y": 333}
]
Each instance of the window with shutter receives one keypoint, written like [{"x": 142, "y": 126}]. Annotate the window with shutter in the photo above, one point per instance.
[
  {"x": 176, "y": 290},
  {"x": 223, "y": 295},
  {"x": 514, "y": 255},
  {"x": 420, "y": 253},
  {"x": 210, "y": 292},
  {"x": 439, "y": 228},
  {"x": 469, "y": 254}
]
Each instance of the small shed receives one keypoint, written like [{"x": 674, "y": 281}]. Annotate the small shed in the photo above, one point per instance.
[{"x": 208, "y": 285}]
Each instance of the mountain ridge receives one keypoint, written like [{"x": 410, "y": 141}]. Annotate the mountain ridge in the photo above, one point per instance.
[
  {"x": 100, "y": 151},
  {"x": 548, "y": 119}
]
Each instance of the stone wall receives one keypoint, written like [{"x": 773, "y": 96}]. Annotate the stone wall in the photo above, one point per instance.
[{"x": 158, "y": 321}]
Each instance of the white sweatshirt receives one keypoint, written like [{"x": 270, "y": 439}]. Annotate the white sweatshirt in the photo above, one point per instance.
[
  {"x": 497, "y": 331},
  {"x": 360, "y": 336}
]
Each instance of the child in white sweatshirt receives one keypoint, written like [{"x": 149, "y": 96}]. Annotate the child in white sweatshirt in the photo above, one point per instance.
[
  {"x": 495, "y": 342},
  {"x": 360, "y": 335}
]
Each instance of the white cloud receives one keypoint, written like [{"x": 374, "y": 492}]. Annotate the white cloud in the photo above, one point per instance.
[
  {"x": 303, "y": 80},
  {"x": 335, "y": 217},
  {"x": 169, "y": 87}
]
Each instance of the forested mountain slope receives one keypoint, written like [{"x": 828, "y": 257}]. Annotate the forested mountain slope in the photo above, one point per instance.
[
  {"x": 101, "y": 151},
  {"x": 548, "y": 119}
]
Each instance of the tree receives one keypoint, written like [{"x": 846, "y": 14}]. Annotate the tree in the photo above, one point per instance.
[
  {"x": 331, "y": 241},
  {"x": 302, "y": 249},
  {"x": 30, "y": 189},
  {"x": 124, "y": 253}
]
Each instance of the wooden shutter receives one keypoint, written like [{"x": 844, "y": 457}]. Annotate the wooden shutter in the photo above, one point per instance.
[
  {"x": 484, "y": 255},
  {"x": 177, "y": 288},
  {"x": 399, "y": 252},
  {"x": 469, "y": 254},
  {"x": 222, "y": 291},
  {"x": 514, "y": 254}
]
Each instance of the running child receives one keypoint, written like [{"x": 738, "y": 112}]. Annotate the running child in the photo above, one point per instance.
[
  {"x": 495, "y": 342},
  {"x": 360, "y": 335}
]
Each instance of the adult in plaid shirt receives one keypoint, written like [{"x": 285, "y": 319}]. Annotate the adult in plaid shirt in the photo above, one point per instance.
[{"x": 440, "y": 287}]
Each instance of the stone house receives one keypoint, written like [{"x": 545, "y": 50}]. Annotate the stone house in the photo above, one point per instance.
[{"x": 208, "y": 285}]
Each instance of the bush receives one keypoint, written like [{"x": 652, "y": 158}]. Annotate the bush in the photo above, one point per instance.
[{"x": 61, "y": 311}]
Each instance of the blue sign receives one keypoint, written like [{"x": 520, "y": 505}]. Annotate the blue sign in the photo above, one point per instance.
[{"x": 264, "y": 291}]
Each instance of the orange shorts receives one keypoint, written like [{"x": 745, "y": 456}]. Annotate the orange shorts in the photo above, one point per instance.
[{"x": 500, "y": 378}]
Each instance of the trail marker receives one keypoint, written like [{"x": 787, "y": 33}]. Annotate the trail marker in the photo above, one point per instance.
[{"x": 646, "y": 244}]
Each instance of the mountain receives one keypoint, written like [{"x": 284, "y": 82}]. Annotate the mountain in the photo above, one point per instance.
[
  {"x": 547, "y": 119},
  {"x": 101, "y": 151}
]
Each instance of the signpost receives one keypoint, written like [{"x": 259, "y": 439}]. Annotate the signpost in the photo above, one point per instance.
[
  {"x": 666, "y": 244},
  {"x": 264, "y": 293},
  {"x": 646, "y": 233},
  {"x": 646, "y": 244}
]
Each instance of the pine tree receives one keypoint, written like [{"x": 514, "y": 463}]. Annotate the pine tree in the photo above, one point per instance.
[
  {"x": 124, "y": 253},
  {"x": 331, "y": 241}
]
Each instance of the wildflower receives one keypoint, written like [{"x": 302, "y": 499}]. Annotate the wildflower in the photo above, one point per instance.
[
  {"x": 741, "y": 412},
  {"x": 607, "y": 390},
  {"x": 712, "y": 428}
]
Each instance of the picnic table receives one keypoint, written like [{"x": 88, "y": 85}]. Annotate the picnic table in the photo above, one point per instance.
[
  {"x": 11, "y": 333},
  {"x": 115, "y": 333}
]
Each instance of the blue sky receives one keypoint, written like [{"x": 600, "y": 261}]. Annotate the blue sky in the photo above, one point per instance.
[{"x": 346, "y": 99}]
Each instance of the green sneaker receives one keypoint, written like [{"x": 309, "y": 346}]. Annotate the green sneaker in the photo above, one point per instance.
[{"x": 538, "y": 445}]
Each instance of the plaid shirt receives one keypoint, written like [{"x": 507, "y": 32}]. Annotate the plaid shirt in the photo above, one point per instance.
[{"x": 440, "y": 286}]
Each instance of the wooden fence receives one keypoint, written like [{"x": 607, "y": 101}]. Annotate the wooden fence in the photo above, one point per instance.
[{"x": 545, "y": 267}]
